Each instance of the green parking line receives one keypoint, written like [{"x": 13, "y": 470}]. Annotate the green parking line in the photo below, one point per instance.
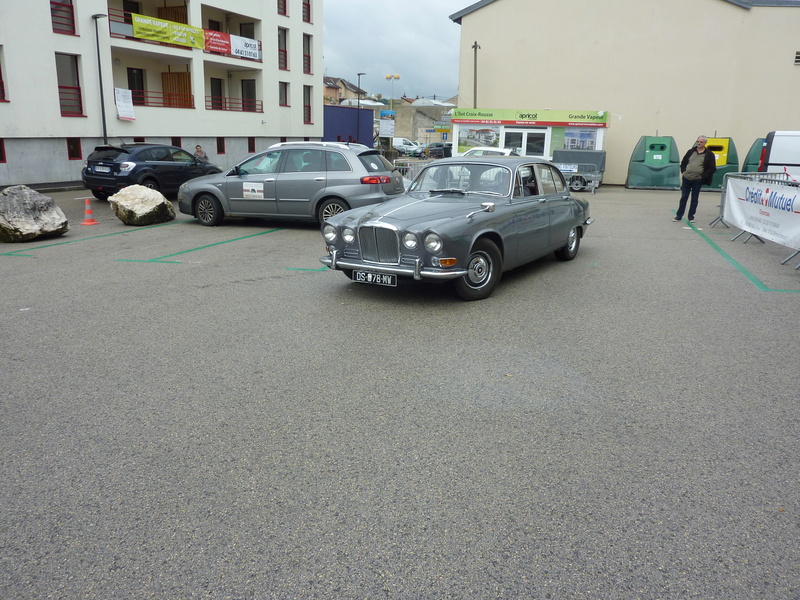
[
  {"x": 161, "y": 259},
  {"x": 92, "y": 237},
  {"x": 750, "y": 277}
]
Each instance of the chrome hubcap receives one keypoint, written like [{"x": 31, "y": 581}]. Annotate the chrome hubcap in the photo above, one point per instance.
[{"x": 479, "y": 269}]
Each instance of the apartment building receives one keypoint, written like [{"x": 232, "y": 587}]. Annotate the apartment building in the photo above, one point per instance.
[{"x": 232, "y": 75}]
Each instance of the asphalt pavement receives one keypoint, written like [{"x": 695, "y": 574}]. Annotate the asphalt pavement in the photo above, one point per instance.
[{"x": 192, "y": 412}]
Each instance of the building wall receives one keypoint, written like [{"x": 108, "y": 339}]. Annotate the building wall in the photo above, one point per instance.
[
  {"x": 34, "y": 132},
  {"x": 679, "y": 68}
]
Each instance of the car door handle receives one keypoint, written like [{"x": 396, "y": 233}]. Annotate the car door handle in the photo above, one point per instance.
[
  {"x": 270, "y": 180},
  {"x": 319, "y": 179}
]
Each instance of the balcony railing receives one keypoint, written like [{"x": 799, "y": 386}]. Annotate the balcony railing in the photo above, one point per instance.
[
  {"x": 307, "y": 114},
  {"x": 2, "y": 91},
  {"x": 307, "y": 12},
  {"x": 282, "y": 7},
  {"x": 307, "y": 64},
  {"x": 63, "y": 16},
  {"x": 71, "y": 101},
  {"x": 162, "y": 99},
  {"x": 283, "y": 60},
  {"x": 234, "y": 104}
]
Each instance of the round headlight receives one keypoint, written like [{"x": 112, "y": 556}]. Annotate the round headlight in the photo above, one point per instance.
[
  {"x": 348, "y": 235},
  {"x": 410, "y": 240},
  {"x": 329, "y": 233},
  {"x": 433, "y": 243}
]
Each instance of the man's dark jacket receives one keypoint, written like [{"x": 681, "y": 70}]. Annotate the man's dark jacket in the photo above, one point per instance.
[{"x": 709, "y": 164}]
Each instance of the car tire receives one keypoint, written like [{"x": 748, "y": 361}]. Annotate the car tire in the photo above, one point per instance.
[
  {"x": 150, "y": 183},
  {"x": 570, "y": 249},
  {"x": 100, "y": 195},
  {"x": 208, "y": 211},
  {"x": 484, "y": 267},
  {"x": 577, "y": 183},
  {"x": 331, "y": 207}
]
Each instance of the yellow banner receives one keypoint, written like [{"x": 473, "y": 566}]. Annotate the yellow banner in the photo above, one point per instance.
[{"x": 169, "y": 32}]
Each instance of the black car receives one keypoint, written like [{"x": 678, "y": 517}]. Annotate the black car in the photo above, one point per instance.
[{"x": 157, "y": 166}]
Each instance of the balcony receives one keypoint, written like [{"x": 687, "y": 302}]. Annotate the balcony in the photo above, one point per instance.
[
  {"x": 234, "y": 104},
  {"x": 63, "y": 16},
  {"x": 71, "y": 101},
  {"x": 162, "y": 99},
  {"x": 120, "y": 25}
]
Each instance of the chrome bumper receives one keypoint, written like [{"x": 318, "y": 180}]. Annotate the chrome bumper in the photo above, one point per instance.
[{"x": 416, "y": 272}]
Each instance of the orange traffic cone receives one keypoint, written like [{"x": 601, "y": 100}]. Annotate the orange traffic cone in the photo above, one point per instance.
[{"x": 88, "y": 218}]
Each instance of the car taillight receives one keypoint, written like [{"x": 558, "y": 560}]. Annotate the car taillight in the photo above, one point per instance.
[
  {"x": 763, "y": 158},
  {"x": 379, "y": 179}
]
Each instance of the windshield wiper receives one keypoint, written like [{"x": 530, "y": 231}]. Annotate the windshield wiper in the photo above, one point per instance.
[{"x": 448, "y": 191}]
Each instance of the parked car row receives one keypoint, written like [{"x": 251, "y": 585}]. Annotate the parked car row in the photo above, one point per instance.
[{"x": 463, "y": 220}]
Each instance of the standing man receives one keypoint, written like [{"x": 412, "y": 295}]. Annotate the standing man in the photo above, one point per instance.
[
  {"x": 697, "y": 166},
  {"x": 200, "y": 154}
]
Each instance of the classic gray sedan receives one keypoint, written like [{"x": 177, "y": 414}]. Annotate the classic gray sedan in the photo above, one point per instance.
[{"x": 464, "y": 220}]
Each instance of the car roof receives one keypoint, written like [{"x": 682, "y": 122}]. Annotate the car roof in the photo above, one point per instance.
[
  {"x": 133, "y": 146},
  {"x": 312, "y": 144},
  {"x": 505, "y": 161}
]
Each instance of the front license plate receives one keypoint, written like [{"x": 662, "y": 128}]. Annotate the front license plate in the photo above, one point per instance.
[
  {"x": 375, "y": 278},
  {"x": 102, "y": 169}
]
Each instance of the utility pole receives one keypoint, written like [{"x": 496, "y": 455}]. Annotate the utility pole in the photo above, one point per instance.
[{"x": 475, "y": 47}]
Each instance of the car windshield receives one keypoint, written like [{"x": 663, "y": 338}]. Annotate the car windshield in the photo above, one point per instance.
[{"x": 464, "y": 178}]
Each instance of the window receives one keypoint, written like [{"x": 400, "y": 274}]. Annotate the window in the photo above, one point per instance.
[
  {"x": 220, "y": 145},
  {"x": 139, "y": 140},
  {"x": 251, "y": 145},
  {"x": 283, "y": 56},
  {"x": 2, "y": 85},
  {"x": 248, "y": 30},
  {"x": 136, "y": 86},
  {"x": 74, "y": 149},
  {"x": 306, "y": 53},
  {"x": 283, "y": 93},
  {"x": 307, "y": 11},
  {"x": 307, "y": 95},
  {"x": 62, "y": 15},
  {"x": 69, "y": 89},
  {"x": 249, "y": 95},
  {"x": 176, "y": 141},
  {"x": 337, "y": 162},
  {"x": 214, "y": 25},
  {"x": 282, "y": 8},
  {"x": 2, "y": 150},
  {"x": 130, "y": 7}
]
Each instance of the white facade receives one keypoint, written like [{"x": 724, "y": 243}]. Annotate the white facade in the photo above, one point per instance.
[
  {"x": 50, "y": 108},
  {"x": 681, "y": 68}
]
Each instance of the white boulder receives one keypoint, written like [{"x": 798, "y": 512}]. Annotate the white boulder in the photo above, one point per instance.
[
  {"x": 139, "y": 205},
  {"x": 26, "y": 214}
]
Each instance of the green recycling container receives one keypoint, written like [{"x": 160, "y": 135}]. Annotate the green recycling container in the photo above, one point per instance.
[
  {"x": 753, "y": 157},
  {"x": 655, "y": 164}
]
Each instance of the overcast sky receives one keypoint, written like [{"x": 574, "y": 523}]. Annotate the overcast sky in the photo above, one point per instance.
[{"x": 411, "y": 38}]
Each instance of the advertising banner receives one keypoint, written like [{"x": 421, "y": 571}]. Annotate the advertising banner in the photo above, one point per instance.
[
  {"x": 767, "y": 209},
  {"x": 124, "y": 101},
  {"x": 548, "y": 118},
  {"x": 234, "y": 45},
  {"x": 169, "y": 32}
]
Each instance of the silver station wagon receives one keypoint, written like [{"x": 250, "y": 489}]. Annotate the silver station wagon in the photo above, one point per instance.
[
  {"x": 293, "y": 180},
  {"x": 464, "y": 220}
]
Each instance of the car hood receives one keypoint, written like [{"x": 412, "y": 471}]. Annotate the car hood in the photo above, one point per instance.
[{"x": 420, "y": 209}]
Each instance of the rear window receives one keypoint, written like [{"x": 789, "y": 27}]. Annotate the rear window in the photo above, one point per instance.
[
  {"x": 375, "y": 162},
  {"x": 108, "y": 154}
]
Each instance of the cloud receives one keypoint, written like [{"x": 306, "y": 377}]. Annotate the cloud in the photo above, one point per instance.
[{"x": 411, "y": 38}]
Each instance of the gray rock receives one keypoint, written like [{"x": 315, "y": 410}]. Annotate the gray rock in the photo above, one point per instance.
[
  {"x": 26, "y": 215},
  {"x": 139, "y": 205}
]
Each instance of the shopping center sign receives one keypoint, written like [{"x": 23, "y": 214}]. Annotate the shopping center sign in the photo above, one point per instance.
[{"x": 545, "y": 118}]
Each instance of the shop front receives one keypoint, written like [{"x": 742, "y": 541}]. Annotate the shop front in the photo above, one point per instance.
[{"x": 529, "y": 132}]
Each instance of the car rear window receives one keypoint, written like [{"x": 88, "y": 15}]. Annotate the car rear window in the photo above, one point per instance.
[
  {"x": 108, "y": 154},
  {"x": 374, "y": 162}
]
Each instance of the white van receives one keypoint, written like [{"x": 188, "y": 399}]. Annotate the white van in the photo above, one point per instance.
[
  {"x": 403, "y": 145},
  {"x": 781, "y": 153}
]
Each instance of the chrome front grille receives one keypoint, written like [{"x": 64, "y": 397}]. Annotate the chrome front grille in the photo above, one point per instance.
[{"x": 379, "y": 244}]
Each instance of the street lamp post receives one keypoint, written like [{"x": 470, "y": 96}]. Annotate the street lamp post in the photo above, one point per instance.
[
  {"x": 358, "y": 112},
  {"x": 391, "y": 100},
  {"x": 100, "y": 76}
]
